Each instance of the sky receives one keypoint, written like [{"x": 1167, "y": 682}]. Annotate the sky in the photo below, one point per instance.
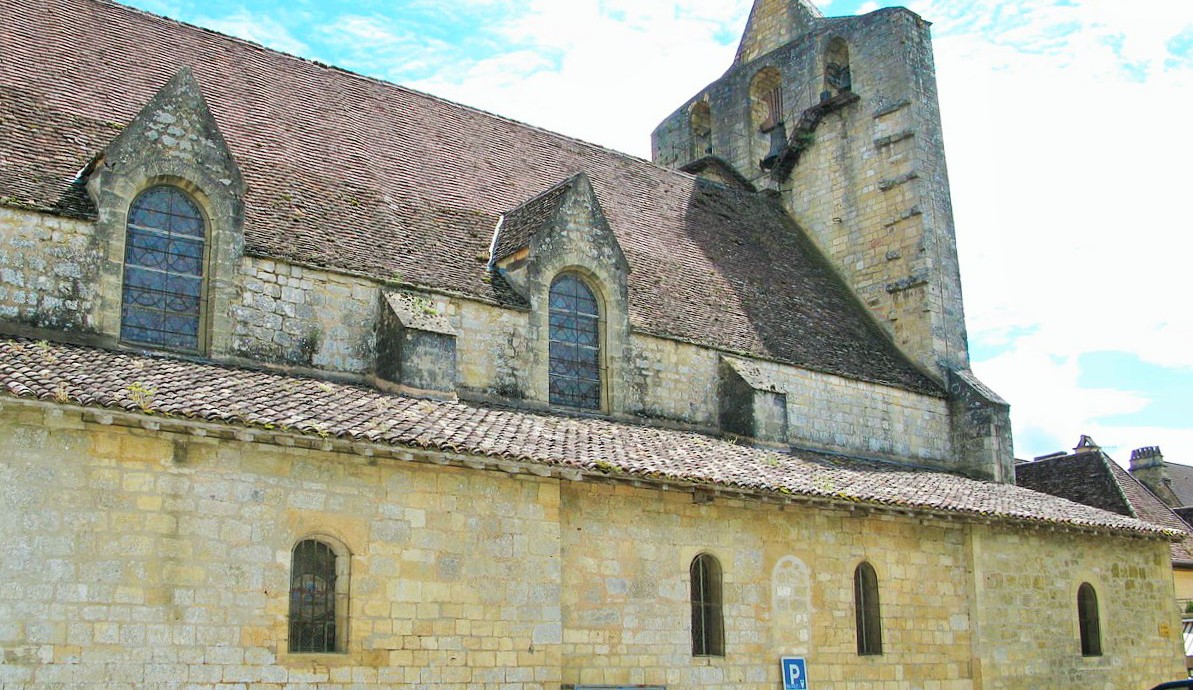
[{"x": 1065, "y": 125}]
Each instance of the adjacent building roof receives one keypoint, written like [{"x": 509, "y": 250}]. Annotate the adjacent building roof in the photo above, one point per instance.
[
  {"x": 1180, "y": 480},
  {"x": 353, "y": 173},
  {"x": 166, "y": 389},
  {"x": 1092, "y": 478}
]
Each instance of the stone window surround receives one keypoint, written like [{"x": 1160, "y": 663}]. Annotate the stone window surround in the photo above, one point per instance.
[
  {"x": 342, "y": 589},
  {"x": 706, "y": 588},
  {"x": 867, "y": 606},
  {"x": 613, "y": 330},
  {"x": 113, "y": 195},
  {"x": 1089, "y": 620}
]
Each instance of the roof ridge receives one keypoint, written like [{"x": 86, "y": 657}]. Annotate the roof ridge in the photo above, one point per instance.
[{"x": 1118, "y": 488}]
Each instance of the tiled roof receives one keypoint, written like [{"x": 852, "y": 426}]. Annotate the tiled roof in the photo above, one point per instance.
[
  {"x": 348, "y": 172},
  {"x": 520, "y": 224},
  {"x": 1094, "y": 479},
  {"x": 1180, "y": 481},
  {"x": 168, "y": 388}
]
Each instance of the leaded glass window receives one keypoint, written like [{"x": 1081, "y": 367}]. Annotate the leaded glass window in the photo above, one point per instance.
[
  {"x": 313, "y": 598},
  {"x": 708, "y": 628},
  {"x": 575, "y": 350},
  {"x": 163, "y": 270},
  {"x": 867, "y": 613}
]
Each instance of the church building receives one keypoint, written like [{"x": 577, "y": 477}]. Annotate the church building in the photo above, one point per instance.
[{"x": 311, "y": 380}]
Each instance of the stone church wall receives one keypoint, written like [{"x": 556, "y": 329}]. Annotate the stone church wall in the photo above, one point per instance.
[
  {"x": 48, "y": 267},
  {"x": 138, "y": 558},
  {"x": 301, "y": 316},
  {"x": 305, "y": 316}
]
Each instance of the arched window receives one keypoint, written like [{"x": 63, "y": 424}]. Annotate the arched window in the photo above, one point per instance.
[
  {"x": 766, "y": 116},
  {"x": 575, "y": 348},
  {"x": 708, "y": 627},
  {"x": 701, "y": 121},
  {"x": 837, "y": 77},
  {"x": 867, "y": 614},
  {"x": 318, "y": 598},
  {"x": 766, "y": 99},
  {"x": 1087, "y": 619},
  {"x": 164, "y": 249}
]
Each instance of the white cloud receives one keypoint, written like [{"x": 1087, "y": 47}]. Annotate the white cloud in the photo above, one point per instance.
[
  {"x": 613, "y": 68},
  {"x": 258, "y": 29},
  {"x": 1068, "y": 161}
]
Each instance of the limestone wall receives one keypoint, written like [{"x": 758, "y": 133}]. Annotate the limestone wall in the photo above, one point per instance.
[
  {"x": 675, "y": 380},
  {"x": 1026, "y": 593},
  {"x": 297, "y": 315},
  {"x": 145, "y": 559},
  {"x": 48, "y": 270},
  {"x": 788, "y": 591},
  {"x": 142, "y": 560}
]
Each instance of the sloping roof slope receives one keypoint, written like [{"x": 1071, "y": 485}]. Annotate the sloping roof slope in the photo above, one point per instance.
[
  {"x": 1093, "y": 479},
  {"x": 348, "y": 172},
  {"x": 1180, "y": 481},
  {"x": 167, "y": 388}
]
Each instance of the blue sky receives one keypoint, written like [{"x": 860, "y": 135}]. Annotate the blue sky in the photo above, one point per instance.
[{"x": 1066, "y": 126}]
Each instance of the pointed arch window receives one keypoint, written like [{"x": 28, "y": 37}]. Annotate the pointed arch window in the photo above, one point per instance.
[
  {"x": 867, "y": 613},
  {"x": 1088, "y": 620},
  {"x": 164, "y": 254},
  {"x": 318, "y": 598},
  {"x": 708, "y": 627},
  {"x": 574, "y": 344}
]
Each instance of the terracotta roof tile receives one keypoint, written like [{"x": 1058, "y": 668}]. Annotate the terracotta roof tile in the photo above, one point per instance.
[
  {"x": 348, "y": 172},
  {"x": 165, "y": 387}
]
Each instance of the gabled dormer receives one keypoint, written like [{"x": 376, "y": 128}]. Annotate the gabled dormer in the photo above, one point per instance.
[
  {"x": 169, "y": 197},
  {"x": 558, "y": 251}
]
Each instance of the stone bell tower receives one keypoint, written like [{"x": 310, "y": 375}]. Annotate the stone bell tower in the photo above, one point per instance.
[{"x": 838, "y": 117}]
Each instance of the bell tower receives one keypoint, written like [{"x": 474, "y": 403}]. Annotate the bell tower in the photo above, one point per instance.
[{"x": 838, "y": 118}]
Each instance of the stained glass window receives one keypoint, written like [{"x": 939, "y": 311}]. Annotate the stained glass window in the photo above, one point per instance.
[
  {"x": 313, "y": 598},
  {"x": 867, "y": 614},
  {"x": 708, "y": 628},
  {"x": 163, "y": 270},
  {"x": 575, "y": 350}
]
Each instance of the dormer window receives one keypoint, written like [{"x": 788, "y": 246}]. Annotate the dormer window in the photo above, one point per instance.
[
  {"x": 164, "y": 251},
  {"x": 575, "y": 348}
]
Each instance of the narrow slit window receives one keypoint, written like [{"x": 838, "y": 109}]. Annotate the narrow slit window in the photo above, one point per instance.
[
  {"x": 708, "y": 628},
  {"x": 313, "y": 600},
  {"x": 164, "y": 247},
  {"x": 574, "y": 343},
  {"x": 1088, "y": 620},
  {"x": 867, "y": 611}
]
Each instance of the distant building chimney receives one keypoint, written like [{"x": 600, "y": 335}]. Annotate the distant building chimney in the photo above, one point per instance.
[
  {"x": 1147, "y": 456},
  {"x": 1147, "y": 465},
  {"x": 1086, "y": 445}
]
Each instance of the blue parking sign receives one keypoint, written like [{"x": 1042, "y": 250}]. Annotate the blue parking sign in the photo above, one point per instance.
[{"x": 795, "y": 673}]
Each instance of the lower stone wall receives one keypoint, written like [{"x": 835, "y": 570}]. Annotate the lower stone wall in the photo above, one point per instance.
[
  {"x": 142, "y": 559},
  {"x": 787, "y": 591},
  {"x": 1026, "y": 589}
]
